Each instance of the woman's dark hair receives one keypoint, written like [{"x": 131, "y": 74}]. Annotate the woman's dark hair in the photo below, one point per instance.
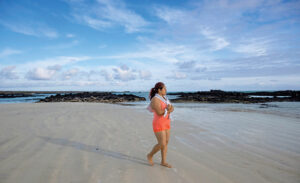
[{"x": 154, "y": 90}]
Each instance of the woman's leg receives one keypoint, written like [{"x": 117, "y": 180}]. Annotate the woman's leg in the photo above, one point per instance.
[
  {"x": 167, "y": 139},
  {"x": 167, "y": 136},
  {"x": 165, "y": 149},
  {"x": 156, "y": 148},
  {"x": 163, "y": 145}
]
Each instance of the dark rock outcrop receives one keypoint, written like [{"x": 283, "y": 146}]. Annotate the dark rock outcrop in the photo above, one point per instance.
[
  {"x": 103, "y": 97},
  {"x": 219, "y": 96}
]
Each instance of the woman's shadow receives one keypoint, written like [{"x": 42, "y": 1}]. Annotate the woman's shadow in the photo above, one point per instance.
[{"x": 94, "y": 149}]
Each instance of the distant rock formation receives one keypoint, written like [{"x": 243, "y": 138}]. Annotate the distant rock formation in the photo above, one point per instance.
[
  {"x": 4, "y": 94},
  {"x": 219, "y": 96},
  {"x": 103, "y": 97}
]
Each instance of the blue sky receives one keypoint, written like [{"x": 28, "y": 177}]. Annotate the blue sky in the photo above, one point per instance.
[{"x": 122, "y": 45}]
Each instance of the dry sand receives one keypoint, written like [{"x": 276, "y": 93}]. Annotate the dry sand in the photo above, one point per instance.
[{"x": 99, "y": 143}]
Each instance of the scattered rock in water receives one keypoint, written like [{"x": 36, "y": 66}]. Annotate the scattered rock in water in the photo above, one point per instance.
[{"x": 267, "y": 105}]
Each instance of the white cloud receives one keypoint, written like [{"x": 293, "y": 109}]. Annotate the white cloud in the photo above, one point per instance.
[
  {"x": 48, "y": 68},
  {"x": 145, "y": 74},
  {"x": 93, "y": 22},
  {"x": 253, "y": 47},
  {"x": 61, "y": 60},
  {"x": 56, "y": 67},
  {"x": 8, "y": 51},
  {"x": 186, "y": 64},
  {"x": 105, "y": 14},
  {"x": 218, "y": 42},
  {"x": 32, "y": 29},
  {"x": 124, "y": 67},
  {"x": 107, "y": 75},
  {"x": 158, "y": 51},
  {"x": 70, "y": 73},
  {"x": 8, "y": 73},
  {"x": 118, "y": 12},
  {"x": 177, "y": 75},
  {"x": 40, "y": 74},
  {"x": 171, "y": 15},
  {"x": 86, "y": 83},
  {"x": 123, "y": 73},
  {"x": 190, "y": 67}
]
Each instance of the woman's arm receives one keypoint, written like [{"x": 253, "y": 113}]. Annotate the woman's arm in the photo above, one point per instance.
[{"x": 155, "y": 104}]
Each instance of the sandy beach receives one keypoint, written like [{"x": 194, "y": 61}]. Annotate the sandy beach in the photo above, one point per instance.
[{"x": 99, "y": 143}]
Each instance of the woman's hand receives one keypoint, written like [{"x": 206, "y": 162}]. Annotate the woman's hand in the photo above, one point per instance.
[{"x": 169, "y": 108}]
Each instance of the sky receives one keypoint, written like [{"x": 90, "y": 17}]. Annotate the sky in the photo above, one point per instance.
[{"x": 122, "y": 45}]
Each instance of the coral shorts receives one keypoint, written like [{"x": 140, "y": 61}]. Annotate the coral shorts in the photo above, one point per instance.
[{"x": 161, "y": 124}]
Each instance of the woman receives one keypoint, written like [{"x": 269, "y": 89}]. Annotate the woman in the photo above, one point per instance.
[{"x": 161, "y": 122}]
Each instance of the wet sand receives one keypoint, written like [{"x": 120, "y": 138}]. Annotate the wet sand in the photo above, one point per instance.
[{"x": 97, "y": 143}]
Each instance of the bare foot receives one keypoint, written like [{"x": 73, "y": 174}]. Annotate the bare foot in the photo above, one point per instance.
[
  {"x": 150, "y": 159},
  {"x": 166, "y": 165}
]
